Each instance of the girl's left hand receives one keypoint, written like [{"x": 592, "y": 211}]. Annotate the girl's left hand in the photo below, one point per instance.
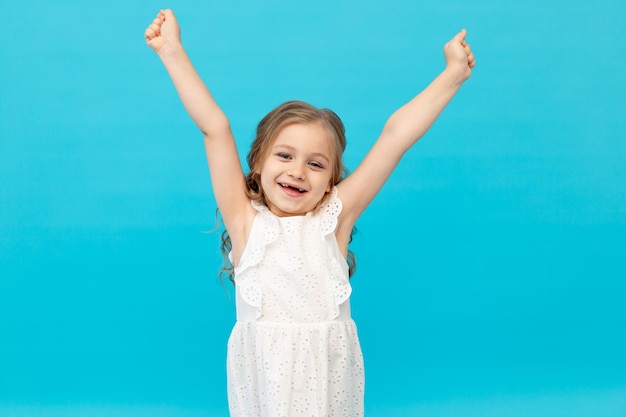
[
  {"x": 163, "y": 31},
  {"x": 459, "y": 56}
]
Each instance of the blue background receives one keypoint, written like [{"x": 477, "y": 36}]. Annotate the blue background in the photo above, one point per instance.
[{"x": 491, "y": 267}]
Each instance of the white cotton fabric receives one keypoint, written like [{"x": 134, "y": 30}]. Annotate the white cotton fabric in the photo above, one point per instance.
[{"x": 294, "y": 350}]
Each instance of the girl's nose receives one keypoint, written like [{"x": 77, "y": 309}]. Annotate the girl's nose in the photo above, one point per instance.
[{"x": 296, "y": 173}]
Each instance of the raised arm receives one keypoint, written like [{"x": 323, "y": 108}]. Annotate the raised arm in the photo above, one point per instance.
[
  {"x": 163, "y": 36},
  {"x": 402, "y": 130}
]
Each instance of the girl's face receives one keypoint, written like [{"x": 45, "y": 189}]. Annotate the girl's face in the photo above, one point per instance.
[{"x": 297, "y": 172}]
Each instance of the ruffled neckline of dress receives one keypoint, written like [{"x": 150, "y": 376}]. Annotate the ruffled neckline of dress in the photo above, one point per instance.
[{"x": 266, "y": 231}]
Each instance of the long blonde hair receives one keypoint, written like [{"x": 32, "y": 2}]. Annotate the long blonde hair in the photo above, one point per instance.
[{"x": 288, "y": 113}]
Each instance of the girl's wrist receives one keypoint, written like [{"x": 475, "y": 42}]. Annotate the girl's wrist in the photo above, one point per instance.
[
  {"x": 456, "y": 74},
  {"x": 171, "y": 49}
]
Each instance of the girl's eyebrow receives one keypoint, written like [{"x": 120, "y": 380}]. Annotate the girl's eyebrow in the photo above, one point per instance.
[{"x": 291, "y": 148}]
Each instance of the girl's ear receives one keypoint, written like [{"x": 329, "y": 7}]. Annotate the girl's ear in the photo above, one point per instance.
[{"x": 329, "y": 187}]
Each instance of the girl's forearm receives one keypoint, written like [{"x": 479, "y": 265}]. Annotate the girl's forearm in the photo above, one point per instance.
[
  {"x": 195, "y": 96},
  {"x": 411, "y": 121}
]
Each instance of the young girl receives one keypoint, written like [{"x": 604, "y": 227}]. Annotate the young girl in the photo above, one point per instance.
[{"x": 294, "y": 349}]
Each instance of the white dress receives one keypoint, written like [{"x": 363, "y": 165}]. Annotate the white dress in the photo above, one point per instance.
[{"x": 294, "y": 350}]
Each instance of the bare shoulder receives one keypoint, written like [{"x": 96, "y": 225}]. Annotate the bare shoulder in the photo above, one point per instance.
[
  {"x": 239, "y": 229},
  {"x": 355, "y": 193},
  {"x": 347, "y": 218}
]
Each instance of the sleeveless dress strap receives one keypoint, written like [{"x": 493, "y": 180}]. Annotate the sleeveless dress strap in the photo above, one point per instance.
[
  {"x": 329, "y": 213},
  {"x": 264, "y": 232}
]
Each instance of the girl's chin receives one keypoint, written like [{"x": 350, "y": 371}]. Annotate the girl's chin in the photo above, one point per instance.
[{"x": 287, "y": 211}]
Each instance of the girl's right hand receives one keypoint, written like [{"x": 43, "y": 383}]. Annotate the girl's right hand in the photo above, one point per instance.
[
  {"x": 459, "y": 55},
  {"x": 162, "y": 31}
]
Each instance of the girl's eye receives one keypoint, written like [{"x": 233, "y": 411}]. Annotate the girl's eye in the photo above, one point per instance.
[
  {"x": 283, "y": 155},
  {"x": 316, "y": 165}
]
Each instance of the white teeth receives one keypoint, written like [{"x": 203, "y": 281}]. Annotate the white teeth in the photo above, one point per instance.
[{"x": 300, "y": 190}]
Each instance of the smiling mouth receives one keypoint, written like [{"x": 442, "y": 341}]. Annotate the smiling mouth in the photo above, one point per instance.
[{"x": 291, "y": 187}]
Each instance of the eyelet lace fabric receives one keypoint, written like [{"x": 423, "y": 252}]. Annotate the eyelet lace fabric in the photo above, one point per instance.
[{"x": 294, "y": 350}]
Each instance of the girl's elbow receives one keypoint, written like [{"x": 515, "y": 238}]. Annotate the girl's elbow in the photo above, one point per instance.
[{"x": 216, "y": 131}]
